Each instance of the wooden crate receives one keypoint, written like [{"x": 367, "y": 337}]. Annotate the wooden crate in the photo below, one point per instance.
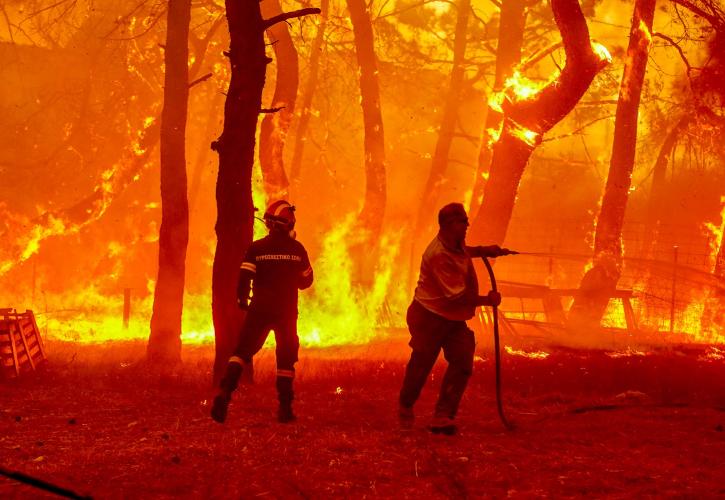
[{"x": 21, "y": 347}]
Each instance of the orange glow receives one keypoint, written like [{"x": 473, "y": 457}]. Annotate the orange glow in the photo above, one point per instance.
[
  {"x": 602, "y": 52},
  {"x": 530, "y": 137},
  {"x": 526, "y": 354},
  {"x": 520, "y": 88},
  {"x": 28, "y": 244},
  {"x": 645, "y": 32},
  {"x": 63, "y": 144},
  {"x": 715, "y": 232}
]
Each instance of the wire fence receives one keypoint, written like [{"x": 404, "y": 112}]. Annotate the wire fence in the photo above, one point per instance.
[{"x": 673, "y": 283}]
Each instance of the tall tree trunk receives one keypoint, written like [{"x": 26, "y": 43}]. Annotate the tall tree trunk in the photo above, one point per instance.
[
  {"x": 165, "y": 340},
  {"x": 439, "y": 164},
  {"x": 656, "y": 201},
  {"x": 235, "y": 146},
  {"x": 508, "y": 54},
  {"x": 371, "y": 216},
  {"x": 273, "y": 133},
  {"x": 527, "y": 119},
  {"x": 600, "y": 281},
  {"x": 235, "y": 212},
  {"x": 306, "y": 98}
]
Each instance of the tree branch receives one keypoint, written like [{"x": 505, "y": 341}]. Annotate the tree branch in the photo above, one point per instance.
[
  {"x": 677, "y": 47},
  {"x": 712, "y": 19},
  {"x": 271, "y": 110},
  {"x": 201, "y": 79},
  {"x": 268, "y": 23}
]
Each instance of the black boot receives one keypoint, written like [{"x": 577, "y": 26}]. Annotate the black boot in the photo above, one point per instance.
[
  {"x": 226, "y": 387},
  {"x": 286, "y": 396}
]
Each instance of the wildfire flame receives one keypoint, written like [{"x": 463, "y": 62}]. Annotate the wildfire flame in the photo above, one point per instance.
[
  {"x": 716, "y": 232},
  {"x": 335, "y": 311}
]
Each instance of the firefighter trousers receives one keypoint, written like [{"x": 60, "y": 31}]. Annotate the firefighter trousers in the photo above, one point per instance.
[
  {"x": 255, "y": 330},
  {"x": 429, "y": 334}
]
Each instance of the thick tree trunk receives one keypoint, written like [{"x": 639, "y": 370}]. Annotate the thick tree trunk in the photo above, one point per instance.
[
  {"x": 508, "y": 54},
  {"x": 306, "y": 98},
  {"x": 600, "y": 281},
  {"x": 235, "y": 211},
  {"x": 425, "y": 219},
  {"x": 371, "y": 216},
  {"x": 273, "y": 133},
  {"x": 165, "y": 340},
  {"x": 235, "y": 146},
  {"x": 526, "y": 120}
]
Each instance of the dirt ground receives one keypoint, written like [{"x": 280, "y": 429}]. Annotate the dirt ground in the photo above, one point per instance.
[{"x": 587, "y": 423}]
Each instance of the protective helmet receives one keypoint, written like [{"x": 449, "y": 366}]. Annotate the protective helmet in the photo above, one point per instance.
[{"x": 280, "y": 215}]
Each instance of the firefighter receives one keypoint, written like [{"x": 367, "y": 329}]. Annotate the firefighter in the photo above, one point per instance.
[
  {"x": 275, "y": 266},
  {"x": 445, "y": 297}
]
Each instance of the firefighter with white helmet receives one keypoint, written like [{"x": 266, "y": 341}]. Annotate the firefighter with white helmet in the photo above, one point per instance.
[{"x": 274, "y": 268}]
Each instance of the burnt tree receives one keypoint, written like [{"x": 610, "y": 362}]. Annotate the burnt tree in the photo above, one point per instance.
[
  {"x": 306, "y": 98},
  {"x": 371, "y": 216},
  {"x": 525, "y": 120},
  {"x": 235, "y": 146},
  {"x": 165, "y": 339},
  {"x": 512, "y": 20},
  {"x": 273, "y": 132},
  {"x": 600, "y": 281}
]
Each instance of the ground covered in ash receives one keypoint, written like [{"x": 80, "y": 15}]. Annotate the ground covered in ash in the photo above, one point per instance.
[{"x": 587, "y": 423}]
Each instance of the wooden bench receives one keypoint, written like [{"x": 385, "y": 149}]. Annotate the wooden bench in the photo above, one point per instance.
[{"x": 551, "y": 307}]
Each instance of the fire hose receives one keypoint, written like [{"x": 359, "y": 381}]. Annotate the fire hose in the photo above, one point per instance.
[
  {"x": 40, "y": 484},
  {"x": 496, "y": 344}
]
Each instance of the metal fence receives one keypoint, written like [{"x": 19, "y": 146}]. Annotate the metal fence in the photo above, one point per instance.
[{"x": 673, "y": 286}]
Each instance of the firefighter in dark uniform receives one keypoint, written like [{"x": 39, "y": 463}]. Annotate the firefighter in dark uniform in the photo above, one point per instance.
[
  {"x": 445, "y": 297},
  {"x": 277, "y": 267}
]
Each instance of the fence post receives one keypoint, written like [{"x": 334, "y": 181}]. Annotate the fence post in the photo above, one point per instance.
[
  {"x": 126, "y": 307},
  {"x": 551, "y": 266},
  {"x": 674, "y": 289}
]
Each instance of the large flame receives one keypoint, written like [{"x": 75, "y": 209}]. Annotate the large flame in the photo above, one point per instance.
[{"x": 335, "y": 311}]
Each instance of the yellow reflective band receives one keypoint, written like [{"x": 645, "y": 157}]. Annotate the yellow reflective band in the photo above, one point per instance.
[
  {"x": 249, "y": 267},
  {"x": 236, "y": 359},
  {"x": 286, "y": 373},
  {"x": 307, "y": 272}
]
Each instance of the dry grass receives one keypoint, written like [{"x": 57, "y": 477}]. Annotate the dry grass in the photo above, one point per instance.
[{"x": 97, "y": 421}]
